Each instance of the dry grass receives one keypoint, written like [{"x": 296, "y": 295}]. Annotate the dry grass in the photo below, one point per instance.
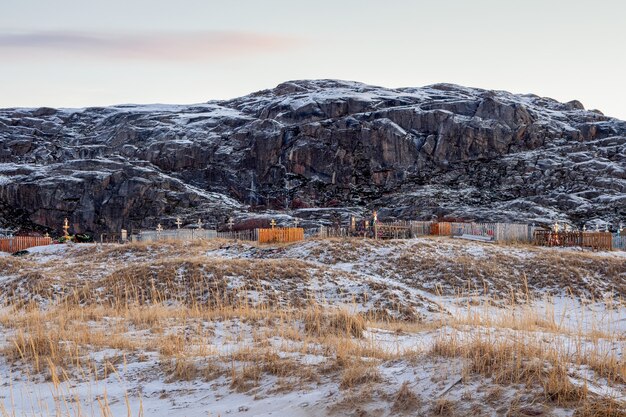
[
  {"x": 501, "y": 273},
  {"x": 334, "y": 323},
  {"x": 405, "y": 401},
  {"x": 359, "y": 372},
  {"x": 253, "y": 320},
  {"x": 39, "y": 348},
  {"x": 601, "y": 407},
  {"x": 442, "y": 407}
]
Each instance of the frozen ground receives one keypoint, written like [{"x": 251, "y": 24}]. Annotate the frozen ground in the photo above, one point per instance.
[{"x": 226, "y": 329}]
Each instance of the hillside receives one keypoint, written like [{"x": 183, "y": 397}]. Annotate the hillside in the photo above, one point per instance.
[
  {"x": 307, "y": 146},
  {"x": 429, "y": 326}
]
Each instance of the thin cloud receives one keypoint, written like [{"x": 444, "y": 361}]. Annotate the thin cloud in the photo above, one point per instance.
[{"x": 187, "y": 46}]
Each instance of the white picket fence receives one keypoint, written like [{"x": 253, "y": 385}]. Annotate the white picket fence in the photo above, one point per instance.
[
  {"x": 499, "y": 232},
  {"x": 174, "y": 234},
  {"x": 251, "y": 235},
  {"x": 330, "y": 232},
  {"x": 192, "y": 234},
  {"x": 418, "y": 228}
]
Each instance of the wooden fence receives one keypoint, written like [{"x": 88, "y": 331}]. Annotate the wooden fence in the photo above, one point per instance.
[
  {"x": 172, "y": 234},
  {"x": 281, "y": 235},
  {"x": 326, "y": 232},
  {"x": 193, "y": 234},
  {"x": 419, "y": 228},
  {"x": 18, "y": 243},
  {"x": 499, "y": 232},
  {"x": 594, "y": 240},
  {"x": 392, "y": 231},
  {"x": 251, "y": 235}
]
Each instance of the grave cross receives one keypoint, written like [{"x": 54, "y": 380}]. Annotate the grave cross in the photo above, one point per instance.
[
  {"x": 200, "y": 224},
  {"x": 375, "y": 224},
  {"x": 296, "y": 221},
  {"x": 178, "y": 222},
  {"x": 231, "y": 223},
  {"x": 66, "y": 227},
  {"x": 273, "y": 223}
]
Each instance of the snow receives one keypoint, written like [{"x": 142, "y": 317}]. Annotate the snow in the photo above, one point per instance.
[{"x": 147, "y": 388}]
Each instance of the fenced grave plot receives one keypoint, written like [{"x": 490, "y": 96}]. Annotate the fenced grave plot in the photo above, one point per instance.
[
  {"x": 110, "y": 238},
  {"x": 281, "y": 235},
  {"x": 619, "y": 241},
  {"x": 419, "y": 228},
  {"x": 326, "y": 232},
  {"x": 593, "y": 240},
  {"x": 174, "y": 234},
  {"x": 250, "y": 235},
  {"x": 392, "y": 231},
  {"x": 499, "y": 232},
  {"x": 18, "y": 243}
]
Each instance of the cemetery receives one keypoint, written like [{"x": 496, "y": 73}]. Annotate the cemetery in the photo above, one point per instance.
[
  {"x": 193, "y": 309},
  {"x": 556, "y": 235},
  {"x": 196, "y": 319}
]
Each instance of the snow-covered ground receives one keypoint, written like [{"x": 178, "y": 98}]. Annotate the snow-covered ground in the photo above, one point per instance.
[{"x": 167, "y": 358}]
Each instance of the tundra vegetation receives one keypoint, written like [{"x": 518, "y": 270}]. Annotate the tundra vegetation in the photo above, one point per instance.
[{"x": 340, "y": 327}]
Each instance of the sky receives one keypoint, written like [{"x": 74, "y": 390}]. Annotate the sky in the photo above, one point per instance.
[{"x": 77, "y": 53}]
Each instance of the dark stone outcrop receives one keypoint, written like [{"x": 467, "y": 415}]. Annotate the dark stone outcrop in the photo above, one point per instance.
[{"x": 305, "y": 146}]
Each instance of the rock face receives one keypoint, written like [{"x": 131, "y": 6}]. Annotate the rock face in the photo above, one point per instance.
[{"x": 305, "y": 146}]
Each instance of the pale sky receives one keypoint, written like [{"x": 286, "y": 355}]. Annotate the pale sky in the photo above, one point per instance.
[{"x": 76, "y": 53}]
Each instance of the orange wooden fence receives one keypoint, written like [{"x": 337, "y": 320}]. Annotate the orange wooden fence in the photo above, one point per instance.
[
  {"x": 281, "y": 235},
  {"x": 441, "y": 229},
  {"x": 18, "y": 243},
  {"x": 594, "y": 240}
]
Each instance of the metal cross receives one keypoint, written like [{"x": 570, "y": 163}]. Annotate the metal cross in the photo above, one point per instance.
[
  {"x": 200, "y": 224},
  {"x": 296, "y": 221},
  {"x": 273, "y": 223},
  {"x": 178, "y": 222},
  {"x": 231, "y": 223},
  {"x": 159, "y": 228}
]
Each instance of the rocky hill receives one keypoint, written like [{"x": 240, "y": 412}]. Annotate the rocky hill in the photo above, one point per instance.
[{"x": 307, "y": 146}]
